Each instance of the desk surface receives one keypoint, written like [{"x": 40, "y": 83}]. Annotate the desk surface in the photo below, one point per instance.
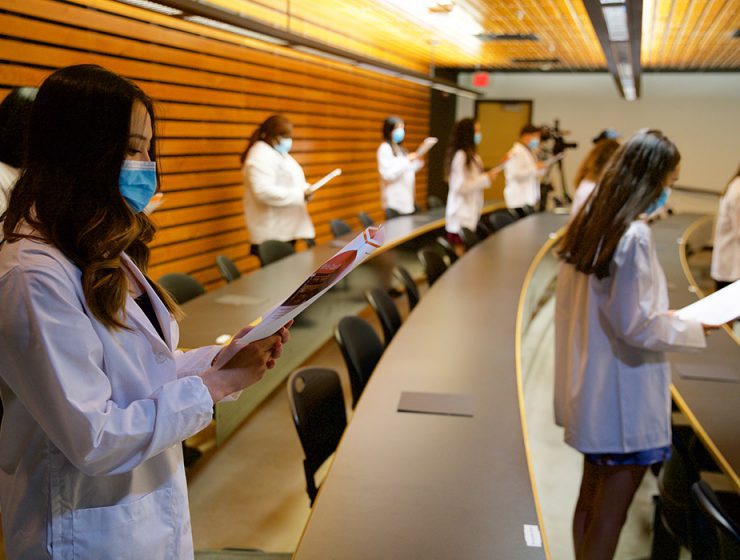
[
  {"x": 407, "y": 485},
  {"x": 712, "y": 405}
]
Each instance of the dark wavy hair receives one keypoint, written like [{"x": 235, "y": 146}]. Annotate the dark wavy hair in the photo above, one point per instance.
[
  {"x": 268, "y": 131},
  {"x": 15, "y": 116},
  {"x": 462, "y": 138},
  {"x": 635, "y": 177},
  {"x": 389, "y": 125},
  {"x": 69, "y": 190},
  {"x": 595, "y": 162}
]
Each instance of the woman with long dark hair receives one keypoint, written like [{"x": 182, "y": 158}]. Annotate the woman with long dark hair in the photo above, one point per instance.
[
  {"x": 397, "y": 168},
  {"x": 726, "y": 253},
  {"x": 276, "y": 190},
  {"x": 612, "y": 327},
  {"x": 466, "y": 178},
  {"x": 97, "y": 397},
  {"x": 590, "y": 171}
]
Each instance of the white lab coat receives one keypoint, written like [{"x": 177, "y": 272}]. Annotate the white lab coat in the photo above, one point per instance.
[
  {"x": 611, "y": 375},
  {"x": 584, "y": 190},
  {"x": 522, "y": 178},
  {"x": 274, "y": 199},
  {"x": 726, "y": 252},
  {"x": 465, "y": 195},
  {"x": 397, "y": 179},
  {"x": 90, "y": 457}
]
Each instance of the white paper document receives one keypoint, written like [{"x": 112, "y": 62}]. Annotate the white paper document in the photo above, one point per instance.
[
  {"x": 323, "y": 181},
  {"x": 718, "y": 308},
  {"x": 426, "y": 145},
  {"x": 323, "y": 278}
]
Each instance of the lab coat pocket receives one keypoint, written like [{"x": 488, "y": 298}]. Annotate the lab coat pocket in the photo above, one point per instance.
[
  {"x": 140, "y": 529},
  {"x": 645, "y": 406}
]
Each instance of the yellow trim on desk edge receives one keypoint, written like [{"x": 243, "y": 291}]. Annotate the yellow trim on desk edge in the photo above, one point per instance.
[{"x": 520, "y": 388}]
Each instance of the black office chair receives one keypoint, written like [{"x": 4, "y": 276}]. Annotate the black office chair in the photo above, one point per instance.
[
  {"x": 273, "y": 250},
  {"x": 726, "y": 528},
  {"x": 386, "y": 310},
  {"x": 365, "y": 219},
  {"x": 412, "y": 290},
  {"x": 390, "y": 213},
  {"x": 434, "y": 202},
  {"x": 182, "y": 287},
  {"x": 434, "y": 264},
  {"x": 227, "y": 268},
  {"x": 483, "y": 229},
  {"x": 339, "y": 228},
  {"x": 500, "y": 219},
  {"x": 361, "y": 349},
  {"x": 447, "y": 249},
  {"x": 520, "y": 212},
  {"x": 469, "y": 238},
  {"x": 317, "y": 405},
  {"x": 529, "y": 209}
]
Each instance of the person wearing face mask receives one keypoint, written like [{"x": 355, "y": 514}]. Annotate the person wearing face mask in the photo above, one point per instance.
[
  {"x": 612, "y": 329},
  {"x": 397, "y": 169},
  {"x": 522, "y": 171},
  {"x": 276, "y": 190},
  {"x": 725, "y": 267},
  {"x": 97, "y": 394}
]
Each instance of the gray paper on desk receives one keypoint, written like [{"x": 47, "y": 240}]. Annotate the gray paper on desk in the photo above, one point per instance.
[{"x": 436, "y": 403}]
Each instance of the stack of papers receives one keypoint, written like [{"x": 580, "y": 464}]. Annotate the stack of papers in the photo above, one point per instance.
[{"x": 716, "y": 309}]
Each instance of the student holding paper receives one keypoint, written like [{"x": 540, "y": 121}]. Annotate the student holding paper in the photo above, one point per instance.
[
  {"x": 590, "y": 171},
  {"x": 97, "y": 397},
  {"x": 397, "y": 168},
  {"x": 522, "y": 170},
  {"x": 467, "y": 179},
  {"x": 726, "y": 253},
  {"x": 276, "y": 191},
  {"x": 612, "y": 329}
]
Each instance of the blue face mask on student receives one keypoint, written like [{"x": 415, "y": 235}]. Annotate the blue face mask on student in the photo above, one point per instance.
[
  {"x": 398, "y": 135},
  {"x": 659, "y": 202},
  {"x": 138, "y": 183},
  {"x": 533, "y": 144},
  {"x": 477, "y": 138},
  {"x": 284, "y": 146}
]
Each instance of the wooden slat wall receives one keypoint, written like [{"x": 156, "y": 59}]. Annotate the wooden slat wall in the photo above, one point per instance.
[{"x": 211, "y": 91}]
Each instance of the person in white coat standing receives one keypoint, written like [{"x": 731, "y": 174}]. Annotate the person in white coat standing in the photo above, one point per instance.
[
  {"x": 590, "y": 171},
  {"x": 725, "y": 267},
  {"x": 467, "y": 179},
  {"x": 612, "y": 327},
  {"x": 276, "y": 190},
  {"x": 97, "y": 397},
  {"x": 397, "y": 168},
  {"x": 522, "y": 171}
]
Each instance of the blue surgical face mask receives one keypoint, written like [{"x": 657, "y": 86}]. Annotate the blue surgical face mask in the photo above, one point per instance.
[
  {"x": 533, "y": 144},
  {"x": 284, "y": 146},
  {"x": 398, "y": 135},
  {"x": 659, "y": 202},
  {"x": 477, "y": 138},
  {"x": 138, "y": 183}
]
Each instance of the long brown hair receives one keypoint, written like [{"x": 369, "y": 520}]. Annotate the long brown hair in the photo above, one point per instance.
[
  {"x": 69, "y": 191},
  {"x": 593, "y": 165},
  {"x": 635, "y": 177},
  {"x": 462, "y": 138},
  {"x": 269, "y": 131}
]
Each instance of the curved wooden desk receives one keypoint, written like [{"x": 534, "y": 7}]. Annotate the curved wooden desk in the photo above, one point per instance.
[
  {"x": 706, "y": 385},
  {"x": 406, "y": 486}
]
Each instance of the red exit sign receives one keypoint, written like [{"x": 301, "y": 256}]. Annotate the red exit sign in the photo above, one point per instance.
[{"x": 481, "y": 79}]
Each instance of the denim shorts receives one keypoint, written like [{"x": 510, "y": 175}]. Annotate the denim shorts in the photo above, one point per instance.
[{"x": 643, "y": 458}]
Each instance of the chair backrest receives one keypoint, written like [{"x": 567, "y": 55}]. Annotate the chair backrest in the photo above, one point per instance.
[
  {"x": 412, "y": 290},
  {"x": 520, "y": 212},
  {"x": 339, "y": 228},
  {"x": 390, "y": 213},
  {"x": 434, "y": 264},
  {"x": 448, "y": 249},
  {"x": 317, "y": 404},
  {"x": 273, "y": 250},
  {"x": 500, "y": 219},
  {"x": 435, "y": 202},
  {"x": 483, "y": 229},
  {"x": 385, "y": 308},
  {"x": 361, "y": 349},
  {"x": 227, "y": 268},
  {"x": 365, "y": 219},
  {"x": 529, "y": 209},
  {"x": 468, "y": 237},
  {"x": 182, "y": 287},
  {"x": 726, "y": 528}
]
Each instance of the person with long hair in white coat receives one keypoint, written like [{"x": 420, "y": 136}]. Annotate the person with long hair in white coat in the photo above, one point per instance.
[
  {"x": 276, "y": 190},
  {"x": 97, "y": 396},
  {"x": 612, "y": 329},
  {"x": 467, "y": 180},
  {"x": 397, "y": 168},
  {"x": 725, "y": 268}
]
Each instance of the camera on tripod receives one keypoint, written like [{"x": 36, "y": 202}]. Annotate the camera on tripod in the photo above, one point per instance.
[
  {"x": 554, "y": 144},
  {"x": 559, "y": 143}
]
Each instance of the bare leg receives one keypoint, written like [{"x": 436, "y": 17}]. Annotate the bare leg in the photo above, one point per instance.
[
  {"x": 616, "y": 487},
  {"x": 582, "y": 514}
]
